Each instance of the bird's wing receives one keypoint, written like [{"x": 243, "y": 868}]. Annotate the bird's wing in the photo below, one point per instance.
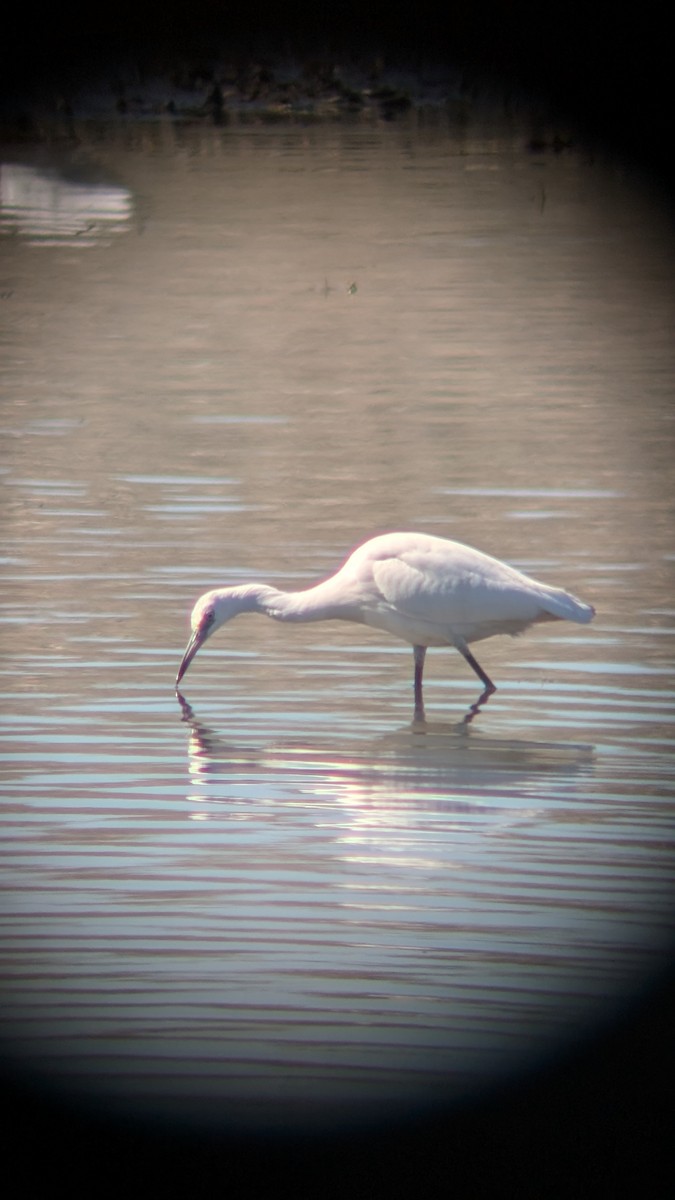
[{"x": 463, "y": 594}]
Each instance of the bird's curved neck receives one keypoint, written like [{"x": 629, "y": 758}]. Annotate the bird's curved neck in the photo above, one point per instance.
[
  {"x": 254, "y": 597},
  {"x": 313, "y": 604}
]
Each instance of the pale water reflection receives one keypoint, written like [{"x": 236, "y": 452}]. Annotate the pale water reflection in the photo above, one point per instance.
[
  {"x": 285, "y": 902},
  {"x": 47, "y": 208}
]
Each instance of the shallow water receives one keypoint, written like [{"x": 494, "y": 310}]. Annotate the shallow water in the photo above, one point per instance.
[{"x": 282, "y": 903}]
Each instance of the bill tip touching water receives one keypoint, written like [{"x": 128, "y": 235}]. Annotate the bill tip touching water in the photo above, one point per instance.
[{"x": 426, "y": 590}]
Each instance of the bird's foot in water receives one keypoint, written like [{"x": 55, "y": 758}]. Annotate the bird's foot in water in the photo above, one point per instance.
[
  {"x": 482, "y": 699},
  {"x": 420, "y": 717}
]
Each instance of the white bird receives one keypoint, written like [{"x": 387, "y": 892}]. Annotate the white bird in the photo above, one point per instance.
[{"x": 426, "y": 590}]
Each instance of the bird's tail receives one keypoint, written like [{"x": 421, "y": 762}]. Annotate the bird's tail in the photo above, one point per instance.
[{"x": 561, "y": 605}]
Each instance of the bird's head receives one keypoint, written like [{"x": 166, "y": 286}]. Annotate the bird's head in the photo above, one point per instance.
[{"x": 211, "y": 611}]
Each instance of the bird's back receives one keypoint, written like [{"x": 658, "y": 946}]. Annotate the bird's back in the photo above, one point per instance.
[{"x": 431, "y": 590}]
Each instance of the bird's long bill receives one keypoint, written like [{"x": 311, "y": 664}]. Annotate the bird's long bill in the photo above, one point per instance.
[{"x": 191, "y": 649}]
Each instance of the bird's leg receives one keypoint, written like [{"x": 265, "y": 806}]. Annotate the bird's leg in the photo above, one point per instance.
[
  {"x": 474, "y": 709},
  {"x": 419, "y": 653},
  {"x": 484, "y": 678},
  {"x": 475, "y": 666}
]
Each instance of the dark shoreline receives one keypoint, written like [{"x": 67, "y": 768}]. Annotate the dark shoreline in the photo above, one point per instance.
[{"x": 605, "y": 80}]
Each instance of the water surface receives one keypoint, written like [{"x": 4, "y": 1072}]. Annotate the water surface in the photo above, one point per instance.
[{"x": 283, "y": 903}]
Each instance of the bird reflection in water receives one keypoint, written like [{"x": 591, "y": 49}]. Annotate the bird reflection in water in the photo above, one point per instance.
[{"x": 447, "y": 768}]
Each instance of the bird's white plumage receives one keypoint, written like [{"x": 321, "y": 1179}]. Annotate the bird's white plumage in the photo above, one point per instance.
[
  {"x": 431, "y": 591},
  {"x": 426, "y": 590}
]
